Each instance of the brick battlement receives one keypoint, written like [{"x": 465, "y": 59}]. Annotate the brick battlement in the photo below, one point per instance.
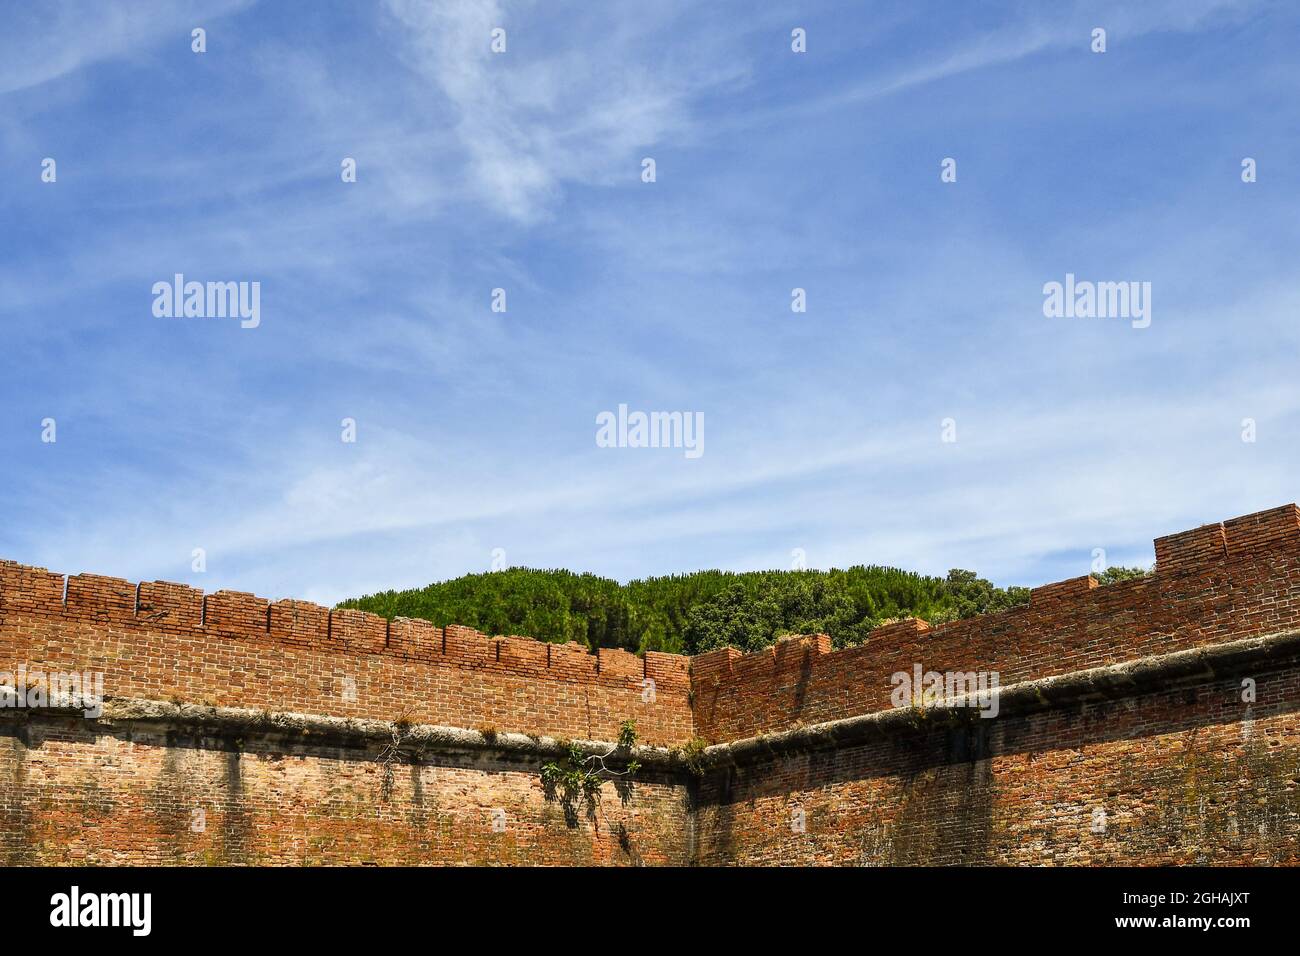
[
  {"x": 163, "y": 640},
  {"x": 275, "y": 718},
  {"x": 1234, "y": 579},
  {"x": 240, "y": 616},
  {"x": 1220, "y": 582}
]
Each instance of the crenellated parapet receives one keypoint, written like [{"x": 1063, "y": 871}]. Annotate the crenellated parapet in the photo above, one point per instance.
[
  {"x": 160, "y": 639},
  {"x": 240, "y": 616},
  {"x": 1217, "y": 583},
  {"x": 1213, "y": 584}
]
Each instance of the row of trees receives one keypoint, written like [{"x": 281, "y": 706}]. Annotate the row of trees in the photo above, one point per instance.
[{"x": 691, "y": 613}]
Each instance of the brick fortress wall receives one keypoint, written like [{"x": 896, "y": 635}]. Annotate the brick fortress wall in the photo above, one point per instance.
[{"x": 1175, "y": 768}]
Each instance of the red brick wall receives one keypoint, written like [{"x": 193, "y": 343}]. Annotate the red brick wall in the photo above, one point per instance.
[
  {"x": 74, "y": 795},
  {"x": 1185, "y": 775},
  {"x": 170, "y": 642},
  {"x": 1177, "y": 777},
  {"x": 72, "y": 791},
  {"x": 1212, "y": 584}
]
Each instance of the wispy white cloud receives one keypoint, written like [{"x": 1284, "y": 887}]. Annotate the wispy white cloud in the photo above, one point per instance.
[
  {"x": 560, "y": 106},
  {"x": 520, "y": 170},
  {"x": 1031, "y": 31},
  {"x": 45, "y": 41}
]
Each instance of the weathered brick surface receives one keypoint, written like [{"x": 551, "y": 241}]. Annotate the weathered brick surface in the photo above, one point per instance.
[
  {"x": 1211, "y": 585},
  {"x": 1179, "y": 777},
  {"x": 70, "y": 795},
  {"x": 1178, "y": 774},
  {"x": 238, "y": 650}
]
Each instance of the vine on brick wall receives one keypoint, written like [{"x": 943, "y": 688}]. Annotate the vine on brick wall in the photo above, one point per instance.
[
  {"x": 392, "y": 753},
  {"x": 576, "y": 778}
]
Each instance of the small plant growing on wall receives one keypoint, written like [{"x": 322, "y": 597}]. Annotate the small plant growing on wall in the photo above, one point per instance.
[
  {"x": 693, "y": 756},
  {"x": 392, "y": 753},
  {"x": 576, "y": 778}
]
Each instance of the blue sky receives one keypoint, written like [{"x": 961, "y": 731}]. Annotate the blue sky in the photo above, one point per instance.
[{"x": 522, "y": 171}]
